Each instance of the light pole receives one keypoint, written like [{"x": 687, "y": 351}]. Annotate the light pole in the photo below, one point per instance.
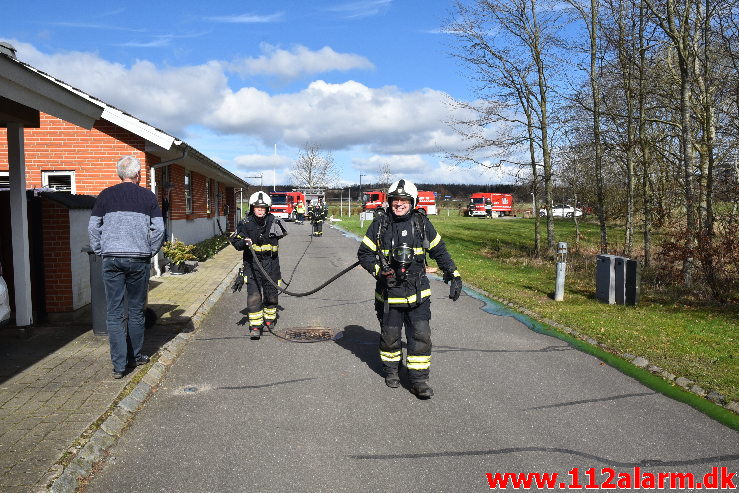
[
  {"x": 258, "y": 176},
  {"x": 360, "y": 186},
  {"x": 241, "y": 211},
  {"x": 274, "y": 173},
  {"x": 361, "y": 212}
]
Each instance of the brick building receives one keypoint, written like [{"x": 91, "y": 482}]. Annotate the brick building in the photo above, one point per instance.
[{"x": 61, "y": 156}]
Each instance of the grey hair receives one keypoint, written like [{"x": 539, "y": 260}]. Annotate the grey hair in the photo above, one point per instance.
[{"x": 128, "y": 167}]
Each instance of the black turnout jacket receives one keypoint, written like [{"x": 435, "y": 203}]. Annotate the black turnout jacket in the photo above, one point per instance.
[{"x": 387, "y": 232}]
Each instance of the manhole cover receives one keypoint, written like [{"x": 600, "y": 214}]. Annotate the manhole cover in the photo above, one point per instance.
[{"x": 307, "y": 334}]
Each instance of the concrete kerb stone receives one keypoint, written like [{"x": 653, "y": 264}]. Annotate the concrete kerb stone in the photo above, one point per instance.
[
  {"x": 66, "y": 480},
  {"x": 639, "y": 361}
]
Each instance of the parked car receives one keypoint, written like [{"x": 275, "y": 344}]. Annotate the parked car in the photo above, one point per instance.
[{"x": 562, "y": 211}]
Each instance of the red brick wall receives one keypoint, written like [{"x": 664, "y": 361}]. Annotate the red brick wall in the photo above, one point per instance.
[
  {"x": 177, "y": 195},
  {"x": 198, "y": 196},
  {"x": 92, "y": 154},
  {"x": 57, "y": 258}
]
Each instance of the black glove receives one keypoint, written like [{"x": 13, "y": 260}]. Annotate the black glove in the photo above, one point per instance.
[
  {"x": 240, "y": 243},
  {"x": 237, "y": 242},
  {"x": 388, "y": 275},
  {"x": 238, "y": 282},
  {"x": 455, "y": 288}
]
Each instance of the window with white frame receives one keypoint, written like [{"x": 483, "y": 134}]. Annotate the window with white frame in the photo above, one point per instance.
[
  {"x": 216, "y": 194},
  {"x": 207, "y": 195},
  {"x": 188, "y": 192},
  {"x": 4, "y": 179},
  {"x": 62, "y": 181}
]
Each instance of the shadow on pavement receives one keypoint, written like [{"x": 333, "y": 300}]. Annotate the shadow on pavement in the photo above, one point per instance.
[
  {"x": 19, "y": 353},
  {"x": 363, "y": 344}
]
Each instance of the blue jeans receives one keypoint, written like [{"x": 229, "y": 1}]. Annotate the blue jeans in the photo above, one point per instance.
[{"x": 127, "y": 276}]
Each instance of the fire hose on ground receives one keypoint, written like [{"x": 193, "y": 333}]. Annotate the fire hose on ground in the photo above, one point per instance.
[{"x": 290, "y": 293}]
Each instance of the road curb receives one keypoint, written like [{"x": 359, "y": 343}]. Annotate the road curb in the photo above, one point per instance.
[{"x": 66, "y": 479}]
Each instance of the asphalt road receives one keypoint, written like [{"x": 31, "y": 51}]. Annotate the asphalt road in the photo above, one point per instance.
[{"x": 240, "y": 415}]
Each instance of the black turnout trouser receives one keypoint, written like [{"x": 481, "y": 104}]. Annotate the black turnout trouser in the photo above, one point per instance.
[
  {"x": 417, "y": 333},
  {"x": 261, "y": 295},
  {"x": 318, "y": 227}
]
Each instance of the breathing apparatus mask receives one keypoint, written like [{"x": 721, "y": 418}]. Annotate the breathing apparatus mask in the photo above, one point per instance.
[{"x": 401, "y": 258}]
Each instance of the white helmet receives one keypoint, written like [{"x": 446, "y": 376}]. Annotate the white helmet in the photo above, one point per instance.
[
  {"x": 260, "y": 199},
  {"x": 403, "y": 189}
]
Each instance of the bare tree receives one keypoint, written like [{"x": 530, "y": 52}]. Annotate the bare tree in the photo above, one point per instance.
[
  {"x": 676, "y": 19},
  {"x": 314, "y": 168},
  {"x": 508, "y": 45},
  {"x": 385, "y": 175},
  {"x": 589, "y": 15}
]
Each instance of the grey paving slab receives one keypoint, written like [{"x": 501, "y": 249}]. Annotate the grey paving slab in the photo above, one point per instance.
[{"x": 271, "y": 415}]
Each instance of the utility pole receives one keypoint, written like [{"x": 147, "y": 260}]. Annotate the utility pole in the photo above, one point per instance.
[
  {"x": 361, "y": 216},
  {"x": 274, "y": 173}
]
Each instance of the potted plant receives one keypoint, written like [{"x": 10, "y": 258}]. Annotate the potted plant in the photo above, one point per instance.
[{"x": 178, "y": 252}]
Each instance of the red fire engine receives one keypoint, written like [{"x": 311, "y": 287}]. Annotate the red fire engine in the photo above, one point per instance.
[
  {"x": 284, "y": 204},
  {"x": 427, "y": 202},
  {"x": 501, "y": 204},
  {"x": 373, "y": 199}
]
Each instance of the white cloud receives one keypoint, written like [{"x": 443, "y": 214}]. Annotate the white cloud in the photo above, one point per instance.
[
  {"x": 341, "y": 116},
  {"x": 413, "y": 164},
  {"x": 360, "y": 8},
  {"x": 420, "y": 170},
  {"x": 247, "y": 18},
  {"x": 170, "y": 98},
  {"x": 246, "y": 122},
  {"x": 250, "y": 162},
  {"x": 298, "y": 62}
]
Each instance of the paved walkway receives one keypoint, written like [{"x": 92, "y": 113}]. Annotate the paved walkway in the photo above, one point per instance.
[{"x": 56, "y": 384}]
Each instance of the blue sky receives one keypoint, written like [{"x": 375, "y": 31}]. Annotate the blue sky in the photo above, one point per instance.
[{"x": 368, "y": 80}]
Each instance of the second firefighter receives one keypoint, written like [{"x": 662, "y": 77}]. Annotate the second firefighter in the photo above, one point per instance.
[{"x": 258, "y": 235}]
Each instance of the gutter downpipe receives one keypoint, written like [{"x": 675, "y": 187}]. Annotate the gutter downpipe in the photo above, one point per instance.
[{"x": 153, "y": 169}]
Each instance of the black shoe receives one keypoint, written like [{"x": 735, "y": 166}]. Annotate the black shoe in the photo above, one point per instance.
[
  {"x": 392, "y": 380},
  {"x": 141, "y": 360},
  {"x": 117, "y": 374},
  {"x": 255, "y": 333},
  {"x": 270, "y": 324},
  {"x": 422, "y": 390}
]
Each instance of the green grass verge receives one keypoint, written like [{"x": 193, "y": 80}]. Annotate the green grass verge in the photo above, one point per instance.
[{"x": 694, "y": 340}]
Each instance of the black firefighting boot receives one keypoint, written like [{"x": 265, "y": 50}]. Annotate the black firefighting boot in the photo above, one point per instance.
[
  {"x": 392, "y": 379},
  {"x": 422, "y": 389},
  {"x": 255, "y": 332}
]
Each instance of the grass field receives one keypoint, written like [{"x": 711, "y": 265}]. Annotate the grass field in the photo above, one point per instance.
[{"x": 698, "y": 341}]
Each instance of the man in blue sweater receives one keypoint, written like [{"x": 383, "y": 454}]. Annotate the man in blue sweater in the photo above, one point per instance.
[{"x": 127, "y": 229}]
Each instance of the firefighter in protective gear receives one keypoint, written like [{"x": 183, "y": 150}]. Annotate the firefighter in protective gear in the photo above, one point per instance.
[
  {"x": 317, "y": 214},
  {"x": 394, "y": 252},
  {"x": 300, "y": 212},
  {"x": 261, "y": 231}
]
